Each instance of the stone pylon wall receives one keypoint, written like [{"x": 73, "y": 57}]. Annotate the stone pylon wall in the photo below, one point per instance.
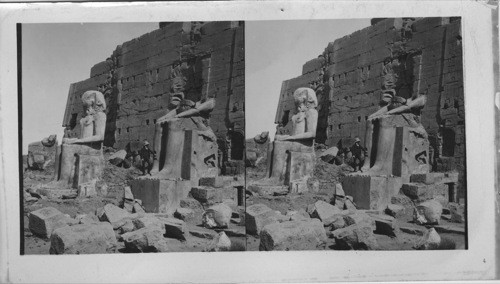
[
  {"x": 137, "y": 81},
  {"x": 410, "y": 55}
]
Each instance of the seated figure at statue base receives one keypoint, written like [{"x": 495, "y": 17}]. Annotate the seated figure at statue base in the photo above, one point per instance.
[{"x": 291, "y": 157}]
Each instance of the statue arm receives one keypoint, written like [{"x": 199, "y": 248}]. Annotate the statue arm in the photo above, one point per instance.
[
  {"x": 411, "y": 104},
  {"x": 170, "y": 115},
  {"x": 100, "y": 129},
  {"x": 206, "y": 106}
]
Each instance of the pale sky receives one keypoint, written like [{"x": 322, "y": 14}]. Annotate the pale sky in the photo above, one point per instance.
[
  {"x": 275, "y": 51},
  {"x": 56, "y": 55}
]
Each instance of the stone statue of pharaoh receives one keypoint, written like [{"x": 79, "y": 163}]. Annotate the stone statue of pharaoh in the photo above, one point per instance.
[
  {"x": 304, "y": 123},
  {"x": 186, "y": 115},
  {"x": 93, "y": 127},
  {"x": 395, "y": 112}
]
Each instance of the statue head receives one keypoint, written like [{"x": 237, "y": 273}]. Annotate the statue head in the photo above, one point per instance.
[
  {"x": 305, "y": 98},
  {"x": 93, "y": 101}
]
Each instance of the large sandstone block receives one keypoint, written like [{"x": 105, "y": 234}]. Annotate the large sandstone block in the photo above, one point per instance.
[
  {"x": 431, "y": 210},
  {"x": 174, "y": 228},
  {"x": 158, "y": 195},
  {"x": 300, "y": 165},
  {"x": 357, "y": 237},
  {"x": 43, "y": 222},
  {"x": 148, "y": 239},
  {"x": 257, "y": 216},
  {"x": 206, "y": 194},
  {"x": 371, "y": 192},
  {"x": 83, "y": 239},
  {"x": 323, "y": 210},
  {"x": 293, "y": 235},
  {"x": 422, "y": 192},
  {"x": 111, "y": 213}
]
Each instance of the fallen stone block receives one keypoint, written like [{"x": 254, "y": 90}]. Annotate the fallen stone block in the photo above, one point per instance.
[
  {"x": 160, "y": 195},
  {"x": 212, "y": 181},
  {"x": 360, "y": 218},
  {"x": 200, "y": 232},
  {"x": 430, "y": 240},
  {"x": 395, "y": 210},
  {"x": 148, "y": 221},
  {"x": 329, "y": 155},
  {"x": 422, "y": 192},
  {"x": 83, "y": 239},
  {"x": 207, "y": 195},
  {"x": 431, "y": 210},
  {"x": 298, "y": 215},
  {"x": 426, "y": 178},
  {"x": 111, "y": 213},
  {"x": 323, "y": 210},
  {"x": 371, "y": 192},
  {"x": 356, "y": 237},
  {"x": 450, "y": 228},
  {"x": 257, "y": 216},
  {"x": 149, "y": 239},
  {"x": 126, "y": 225},
  {"x": 274, "y": 190},
  {"x": 43, "y": 222},
  {"x": 117, "y": 158},
  {"x": 293, "y": 235},
  {"x": 138, "y": 207},
  {"x": 384, "y": 224},
  {"x": 457, "y": 212},
  {"x": 217, "y": 216},
  {"x": 174, "y": 228},
  {"x": 221, "y": 242},
  {"x": 183, "y": 214},
  {"x": 191, "y": 203},
  {"x": 413, "y": 230},
  {"x": 450, "y": 177},
  {"x": 298, "y": 186},
  {"x": 87, "y": 219},
  {"x": 335, "y": 222}
]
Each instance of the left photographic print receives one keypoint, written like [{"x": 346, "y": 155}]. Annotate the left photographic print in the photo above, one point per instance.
[{"x": 132, "y": 137}]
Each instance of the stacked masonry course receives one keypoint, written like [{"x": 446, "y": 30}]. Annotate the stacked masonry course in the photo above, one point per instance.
[
  {"x": 425, "y": 57},
  {"x": 137, "y": 81}
]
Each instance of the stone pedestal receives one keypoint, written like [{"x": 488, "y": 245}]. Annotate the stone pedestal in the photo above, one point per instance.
[
  {"x": 160, "y": 195},
  {"x": 299, "y": 166},
  {"x": 371, "y": 192},
  {"x": 80, "y": 163},
  {"x": 400, "y": 147},
  {"x": 190, "y": 155},
  {"x": 286, "y": 152}
]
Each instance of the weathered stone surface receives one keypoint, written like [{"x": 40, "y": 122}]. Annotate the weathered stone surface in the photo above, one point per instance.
[
  {"x": 183, "y": 213},
  {"x": 83, "y": 239},
  {"x": 300, "y": 166},
  {"x": 43, "y": 222},
  {"x": 371, "y": 192},
  {"x": 422, "y": 192},
  {"x": 174, "y": 228},
  {"x": 360, "y": 218},
  {"x": 200, "y": 232},
  {"x": 335, "y": 222},
  {"x": 265, "y": 189},
  {"x": 384, "y": 224},
  {"x": 212, "y": 181},
  {"x": 395, "y": 210},
  {"x": 457, "y": 212},
  {"x": 205, "y": 194},
  {"x": 430, "y": 240},
  {"x": 138, "y": 207},
  {"x": 87, "y": 219},
  {"x": 257, "y": 216},
  {"x": 357, "y": 237},
  {"x": 323, "y": 210},
  {"x": 190, "y": 203},
  {"x": 87, "y": 189},
  {"x": 148, "y": 221},
  {"x": 111, "y": 213},
  {"x": 217, "y": 216},
  {"x": 158, "y": 195},
  {"x": 221, "y": 242},
  {"x": 117, "y": 158},
  {"x": 80, "y": 163},
  {"x": 293, "y": 235},
  {"x": 329, "y": 155},
  {"x": 148, "y": 239},
  {"x": 431, "y": 210},
  {"x": 42, "y": 153}
]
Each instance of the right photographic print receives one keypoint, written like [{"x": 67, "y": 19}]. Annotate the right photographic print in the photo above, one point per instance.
[{"x": 355, "y": 135}]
